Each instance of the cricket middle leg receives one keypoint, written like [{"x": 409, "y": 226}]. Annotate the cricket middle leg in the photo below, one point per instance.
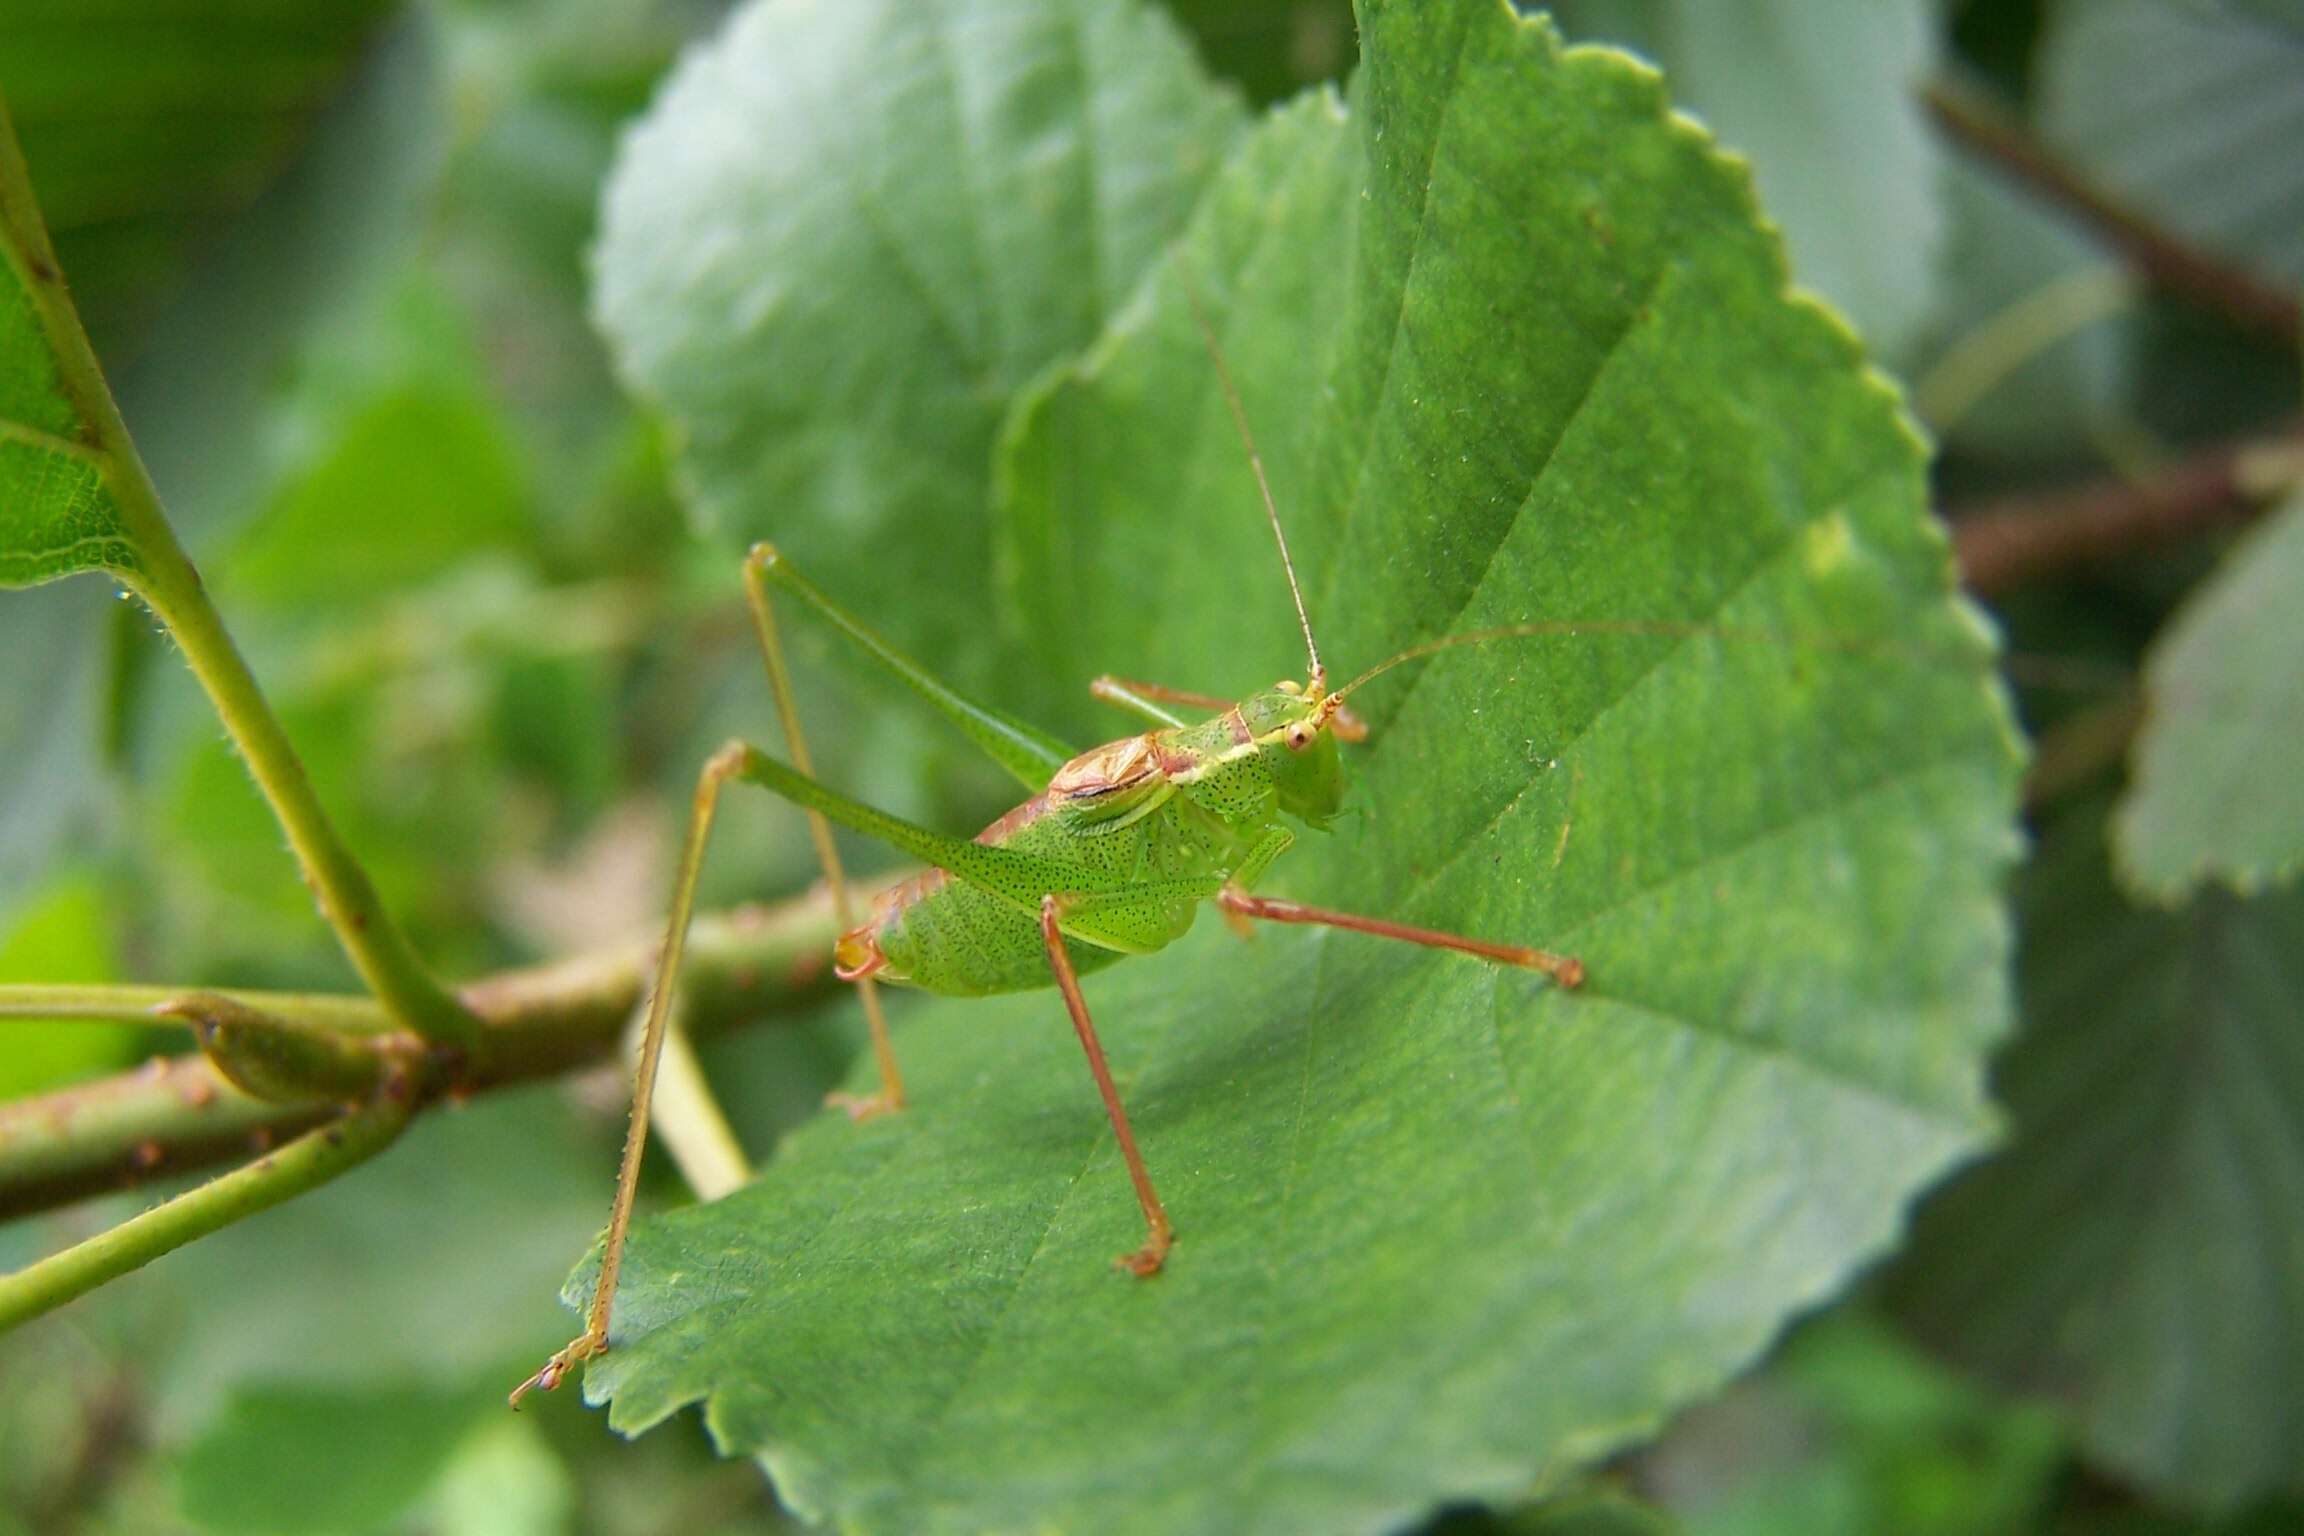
[
  {"x": 1567, "y": 970},
  {"x": 1158, "y": 1236}
]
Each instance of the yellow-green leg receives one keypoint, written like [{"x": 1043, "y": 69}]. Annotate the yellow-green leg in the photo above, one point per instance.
[
  {"x": 727, "y": 763},
  {"x": 891, "y": 1094}
]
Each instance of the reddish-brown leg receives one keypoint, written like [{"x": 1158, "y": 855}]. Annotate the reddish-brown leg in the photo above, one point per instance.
[
  {"x": 1564, "y": 969},
  {"x": 1146, "y": 1260},
  {"x": 1116, "y": 690}
]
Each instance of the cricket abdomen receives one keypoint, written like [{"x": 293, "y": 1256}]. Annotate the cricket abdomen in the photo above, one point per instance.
[{"x": 943, "y": 935}]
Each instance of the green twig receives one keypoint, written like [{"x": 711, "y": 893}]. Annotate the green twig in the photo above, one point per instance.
[
  {"x": 2003, "y": 543},
  {"x": 1990, "y": 131},
  {"x": 348, "y": 901},
  {"x": 688, "y": 1120},
  {"x": 180, "y": 1113},
  {"x": 152, "y": 564},
  {"x": 309, "y": 1161},
  {"x": 133, "y": 1003},
  {"x": 1982, "y": 360}
]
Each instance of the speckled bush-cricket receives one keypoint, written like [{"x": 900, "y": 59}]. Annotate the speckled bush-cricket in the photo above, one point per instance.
[{"x": 1111, "y": 856}]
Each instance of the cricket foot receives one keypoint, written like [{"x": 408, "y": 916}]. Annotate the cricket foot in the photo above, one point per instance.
[
  {"x": 557, "y": 1368},
  {"x": 1145, "y": 1262},
  {"x": 865, "y": 1106}
]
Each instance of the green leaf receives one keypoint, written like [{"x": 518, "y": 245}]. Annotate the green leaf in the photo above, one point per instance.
[
  {"x": 1444, "y": 1231},
  {"x": 313, "y": 1461},
  {"x": 406, "y": 466},
  {"x": 62, "y": 935},
  {"x": 1821, "y": 95},
  {"x": 152, "y": 120},
  {"x": 1274, "y": 48},
  {"x": 1852, "y": 1428},
  {"x": 2191, "y": 113},
  {"x": 2136, "y": 1252},
  {"x": 58, "y": 514},
  {"x": 845, "y": 234},
  {"x": 2216, "y": 792}
]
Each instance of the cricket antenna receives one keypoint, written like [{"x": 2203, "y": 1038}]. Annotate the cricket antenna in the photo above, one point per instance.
[
  {"x": 1318, "y": 678},
  {"x": 1335, "y": 701}
]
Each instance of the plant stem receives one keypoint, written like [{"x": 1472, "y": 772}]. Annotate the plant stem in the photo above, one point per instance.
[
  {"x": 171, "y": 1115},
  {"x": 176, "y": 1114},
  {"x": 2073, "y": 754},
  {"x": 154, "y": 566},
  {"x": 311, "y": 1160},
  {"x": 2004, "y": 543},
  {"x": 348, "y": 902},
  {"x": 134, "y": 1003},
  {"x": 1980, "y": 361},
  {"x": 687, "y": 1120},
  {"x": 1973, "y": 120}
]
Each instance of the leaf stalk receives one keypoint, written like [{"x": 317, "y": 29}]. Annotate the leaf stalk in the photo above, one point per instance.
[{"x": 152, "y": 564}]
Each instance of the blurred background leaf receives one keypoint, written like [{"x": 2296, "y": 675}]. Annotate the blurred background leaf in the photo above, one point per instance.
[
  {"x": 2135, "y": 1255},
  {"x": 61, "y": 935},
  {"x": 996, "y": 177},
  {"x": 1852, "y": 1429},
  {"x": 157, "y": 120},
  {"x": 2189, "y": 111},
  {"x": 270, "y": 1464},
  {"x": 2217, "y": 794},
  {"x": 2029, "y": 361},
  {"x": 1272, "y": 48},
  {"x": 1819, "y": 94}
]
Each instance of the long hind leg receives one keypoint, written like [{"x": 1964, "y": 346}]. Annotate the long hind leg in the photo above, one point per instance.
[
  {"x": 727, "y": 763},
  {"x": 891, "y": 1094}
]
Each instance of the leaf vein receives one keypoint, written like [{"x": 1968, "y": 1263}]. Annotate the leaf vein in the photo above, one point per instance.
[
  {"x": 935, "y": 1419},
  {"x": 1336, "y": 562},
  {"x": 51, "y": 442}
]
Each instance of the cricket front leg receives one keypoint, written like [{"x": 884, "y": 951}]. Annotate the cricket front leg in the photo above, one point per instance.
[
  {"x": 727, "y": 763},
  {"x": 1567, "y": 970},
  {"x": 1158, "y": 1235},
  {"x": 1145, "y": 699}
]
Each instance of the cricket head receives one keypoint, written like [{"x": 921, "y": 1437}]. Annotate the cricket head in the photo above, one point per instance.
[{"x": 1295, "y": 728}]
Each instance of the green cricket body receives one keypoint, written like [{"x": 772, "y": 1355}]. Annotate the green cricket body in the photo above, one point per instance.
[{"x": 1193, "y": 805}]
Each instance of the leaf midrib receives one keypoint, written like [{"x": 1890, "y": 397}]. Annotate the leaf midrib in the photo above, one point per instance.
[{"x": 51, "y": 442}]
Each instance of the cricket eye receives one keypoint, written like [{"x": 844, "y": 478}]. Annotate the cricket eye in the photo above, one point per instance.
[{"x": 1298, "y": 738}]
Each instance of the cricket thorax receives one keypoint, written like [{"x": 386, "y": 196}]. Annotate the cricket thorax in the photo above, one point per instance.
[
  {"x": 1129, "y": 763},
  {"x": 1268, "y": 753}
]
